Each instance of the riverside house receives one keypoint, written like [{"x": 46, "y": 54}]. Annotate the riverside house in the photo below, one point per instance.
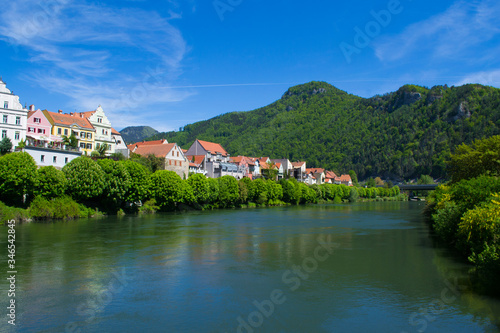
[
  {"x": 13, "y": 117},
  {"x": 171, "y": 153}
]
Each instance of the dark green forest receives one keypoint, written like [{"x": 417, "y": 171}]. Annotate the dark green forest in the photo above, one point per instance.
[{"x": 399, "y": 135}]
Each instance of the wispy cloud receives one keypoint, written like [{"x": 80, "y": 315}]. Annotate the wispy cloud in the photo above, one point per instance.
[
  {"x": 489, "y": 78},
  {"x": 122, "y": 58},
  {"x": 452, "y": 34}
]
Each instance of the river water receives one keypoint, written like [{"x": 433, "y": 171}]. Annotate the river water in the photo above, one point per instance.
[{"x": 367, "y": 267}]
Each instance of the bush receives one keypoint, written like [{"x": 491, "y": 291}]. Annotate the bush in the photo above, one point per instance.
[
  {"x": 11, "y": 213},
  {"x": 200, "y": 188},
  {"x": 228, "y": 191},
  {"x": 58, "y": 208},
  {"x": 117, "y": 183},
  {"x": 167, "y": 189},
  {"x": 138, "y": 190}
]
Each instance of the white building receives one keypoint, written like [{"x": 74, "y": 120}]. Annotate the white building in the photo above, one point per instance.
[
  {"x": 58, "y": 158},
  {"x": 102, "y": 127},
  {"x": 13, "y": 117}
]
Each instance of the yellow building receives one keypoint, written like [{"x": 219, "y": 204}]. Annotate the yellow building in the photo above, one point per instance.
[{"x": 77, "y": 124}]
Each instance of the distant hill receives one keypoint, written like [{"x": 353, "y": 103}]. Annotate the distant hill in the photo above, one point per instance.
[
  {"x": 398, "y": 135},
  {"x": 135, "y": 134}
]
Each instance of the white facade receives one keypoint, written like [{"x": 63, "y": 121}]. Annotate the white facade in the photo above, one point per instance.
[
  {"x": 13, "y": 117},
  {"x": 56, "y": 157},
  {"x": 103, "y": 130}
]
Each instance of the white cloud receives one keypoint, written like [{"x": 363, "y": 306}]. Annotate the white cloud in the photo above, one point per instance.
[
  {"x": 491, "y": 78},
  {"x": 460, "y": 29},
  {"x": 122, "y": 58}
]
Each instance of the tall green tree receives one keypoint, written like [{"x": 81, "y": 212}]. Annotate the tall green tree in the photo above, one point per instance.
[
  {"x": 5, "y": 145},
  {"x": 167, "y": 189},
  {"x": 117, "y": 183},
  {"x": 86, "y": 180},
  {"x": 50, "y": 182},
  {"x": 228, "y": 191},
  {"x": 138, "y": 190},
  {"x": 17, "y": 178}
]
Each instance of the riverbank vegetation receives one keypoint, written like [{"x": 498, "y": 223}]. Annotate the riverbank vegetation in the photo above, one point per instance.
[
  {"x": 112, "y": 186},
  {"x": 466, "y": 212}
]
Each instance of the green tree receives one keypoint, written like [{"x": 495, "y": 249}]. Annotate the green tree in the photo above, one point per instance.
[
  {"x": 5, "y": 145},
  {"x": 425, "y": 179},
  {"x": 371, "y": 182},
  {"x": 354, "y": 177},
  {"x": 213, "y": 190},
  {"x": 117, "y": 182},
  {"x": 17, "y": 177},
  {"x": 201, "y": 188},
  {"x": 291, "y": 191},
  {"x": 50, "y": 182},
  {"x": 86, "y": 180},
  {"x": 138, "y": 190},
  {"x": 481, "y": 157},
  {"x": 71, "y": 141},
  {"x": 103, "y": 148},
  {"x": 228, "y": 191},
  {"x": 167, "y": 189}
]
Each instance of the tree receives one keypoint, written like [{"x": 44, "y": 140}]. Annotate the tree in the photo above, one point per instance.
[
  {"x": 117, "y": 182},
  {"x": 138, "y": 190},
  {"x": 371, "y": 182},
  {"x": 17, "y": 177},
  {"x": 5, "y": 145},
  {"x": 50, "y": 183},
  {"x": 379, "y": 181},
  {"x": 103, "y": 148},
  {"x": 167, "y": 189},
  {"x": 480, "y": 158},
  {"x": 213, "y": 190},
  {"x": 425, "y": 180},
  {"x": 200, "y": 186},
  {"x": 71, "y": 141},
  {"x": 228, "y": 191},
  {"x": 85, "y": 178},
  {"x": 354, "y": 177}
]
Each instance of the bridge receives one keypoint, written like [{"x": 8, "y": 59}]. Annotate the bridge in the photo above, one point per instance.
[{"x": 430, "y": 187}]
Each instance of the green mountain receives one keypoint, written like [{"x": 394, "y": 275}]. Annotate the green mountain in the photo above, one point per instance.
[
  {"x": 135, "y": 134},
  {"x": 399, "y": 135}
]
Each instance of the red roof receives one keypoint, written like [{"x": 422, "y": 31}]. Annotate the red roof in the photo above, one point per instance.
[
  {"x": 344, "y": 178},
  {"x": 213, "y": 148},
  {"x": 267, "y": 166},
  {"x": 315, "y": 170},
  {"x": 298, "y": 164},
  {"x": 330, "y": 175},
  {"x": 68, "y": 120},
  {"x": 159, "y": 150},
  {"x": 198, "y": 159},
  {"x": 114, "y": 132},
  {"x": 278, "y": 165}
]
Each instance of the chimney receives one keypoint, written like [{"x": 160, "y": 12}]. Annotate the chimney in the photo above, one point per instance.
[
  {"x": 59, "y": 111},
  {"x": 82, "y": 115},
  {"x": 71, "y": 114},
  {"x": 32, "y": 107}
]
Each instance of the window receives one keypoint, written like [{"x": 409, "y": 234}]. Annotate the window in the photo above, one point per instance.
[
  {"x": 99, "y": 120},
  {"x": 40, "y": 130},
  {"x": 180, "y": 163},
  {"x": 82, "y": 135},
  {"x": 5, "y": 118},
  {"x": 175, "y": 163},
  {"x": 169, "y": 162},
  {"x": 4, "y": 134},
  {"x": 97, "y": 145},
  {"x": 103, "y": 131},
  {"x": 42, "y": 158},
  {"x": 89, "y": 136},
  {"x": 118, "y": 142},
  {"x": 18, "y": 120},
  {"x": 59, "y": 131},
  {"x": 31, "y": 129},
  {"x": 89, "y": 146},
  {"x": 5, "y": 105},
  {"x": 65, "y": 160},
  {"x": 17, "y": 136},
  {"x": 54, "y": 159},
  {"x": 82, "y": 145},
  {"x": 37, "y": 120},
  {"x": 177, "y": 154},
  {"x": 66, "y": 131}
]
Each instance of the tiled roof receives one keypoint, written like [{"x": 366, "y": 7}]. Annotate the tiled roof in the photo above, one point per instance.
[
  {"x": 315, "y": 170},
  {"x": 114, "y": 132},
  {"x": 330, "y": 174},
  {"x": 344, "y": 178},
  {"x": 151, "y": 143},
  {"x": 159, "y": 150},
  {"x": 198, "y": 159},
  {"x": 63, "y": 119},
  {"x": 278, "y": 165},
  {"x": 30, "y": 113},
  {"x": 298, "y": 164},
  {"x": 213, "y": 148},
  {"x": 267, "y": 166}
]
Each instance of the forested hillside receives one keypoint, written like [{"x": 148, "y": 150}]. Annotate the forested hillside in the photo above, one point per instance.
[
  {"x": 135, "y": 134},
  {"x": 398, "y": 135}
]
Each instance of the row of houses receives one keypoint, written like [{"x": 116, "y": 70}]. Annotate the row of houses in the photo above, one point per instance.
[
  {"x": 43, "y": 132},
  {"x": 212, "y": 160}
]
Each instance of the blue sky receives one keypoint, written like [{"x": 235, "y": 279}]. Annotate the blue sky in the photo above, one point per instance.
[{"x": 169, "y": 63}]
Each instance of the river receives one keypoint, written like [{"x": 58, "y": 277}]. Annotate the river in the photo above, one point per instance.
[{"x": 366, "y": 267}]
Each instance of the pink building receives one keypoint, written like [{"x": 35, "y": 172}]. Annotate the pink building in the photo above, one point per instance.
[{"x": 39, "y": 131}]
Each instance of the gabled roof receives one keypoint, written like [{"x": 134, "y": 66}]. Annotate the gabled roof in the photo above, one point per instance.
[
  {"x": 267, "y": 166},
  {"x": 62, "y": 119},
  {"x": 114, "y": 132},
  {"x": 159, "y": 150},
  {"x": 298, "y": 164},
  {"x": 330, "y": 175},
  {"x": 315, "y": 170},
  {"x": 343, "y": 178},
  {"x": 151, "y": 143},
  {"x": 198, "y": 159},
  {"x": 31, "y": 113},
  {"x": 278, "y": 165},
  {"x": 213, "y": 148}
]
